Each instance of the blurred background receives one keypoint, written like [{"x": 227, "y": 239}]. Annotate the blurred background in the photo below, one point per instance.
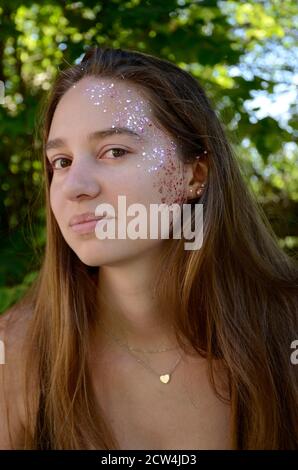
[{"x": 245, "y": 54}]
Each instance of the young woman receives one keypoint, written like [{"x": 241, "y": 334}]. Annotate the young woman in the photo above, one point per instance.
[{"x": 126, "y": 343}]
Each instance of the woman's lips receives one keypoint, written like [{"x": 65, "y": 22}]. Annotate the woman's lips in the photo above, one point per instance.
[{"x": 87, "y": 227}]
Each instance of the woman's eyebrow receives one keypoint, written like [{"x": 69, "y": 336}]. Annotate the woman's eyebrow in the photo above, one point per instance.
[{"x": 97, "y": 135}]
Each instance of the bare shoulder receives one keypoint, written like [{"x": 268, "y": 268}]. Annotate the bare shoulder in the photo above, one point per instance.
[{"x": 13, "y": 327}]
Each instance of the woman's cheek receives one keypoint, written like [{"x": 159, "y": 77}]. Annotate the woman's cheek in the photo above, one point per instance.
[
  {"x": 169, "y": 180},
  {"x": 162, "y": 167},
  {"x": 54, "y": 203}
]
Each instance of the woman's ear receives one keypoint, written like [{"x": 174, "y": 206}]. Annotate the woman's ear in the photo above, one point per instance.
[{"x": 196, "y": 177}]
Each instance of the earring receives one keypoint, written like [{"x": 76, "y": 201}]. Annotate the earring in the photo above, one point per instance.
[
  {"x": 199, "y": 156},
  {"x": 199, "y": 190}
]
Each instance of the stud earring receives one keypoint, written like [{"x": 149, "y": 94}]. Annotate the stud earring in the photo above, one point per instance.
[
  {"x": 199, "y": 156},
  {"x": 199, "y": 190}
]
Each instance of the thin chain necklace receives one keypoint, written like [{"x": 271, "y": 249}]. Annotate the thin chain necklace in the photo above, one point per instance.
[
  {"x": 164, "y": 378},
  {"x": 149, "y": 351}
]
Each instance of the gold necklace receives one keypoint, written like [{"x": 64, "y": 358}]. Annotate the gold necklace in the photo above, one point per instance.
[
  {"x": 164, "y": 378},
  {"x": 149, "y": 351}
]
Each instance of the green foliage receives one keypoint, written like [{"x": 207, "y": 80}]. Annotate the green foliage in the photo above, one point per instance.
[
  {"x": 10, "y": 295},
  {"x": 235, "y": 48}
]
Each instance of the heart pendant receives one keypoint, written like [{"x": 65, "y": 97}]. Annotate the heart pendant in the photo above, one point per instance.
[{"x": 164, "y": 378}]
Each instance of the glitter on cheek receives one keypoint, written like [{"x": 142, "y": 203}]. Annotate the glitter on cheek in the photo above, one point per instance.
[{"x": 170, "y": 179}]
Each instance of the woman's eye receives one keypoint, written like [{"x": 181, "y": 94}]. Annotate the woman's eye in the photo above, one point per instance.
[
  {"x": 53, "y": 164},
  {"x": 64, "y": 161},
  {"x": 117, "y": 149}
]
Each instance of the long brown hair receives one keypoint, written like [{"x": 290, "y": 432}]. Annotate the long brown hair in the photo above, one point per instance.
[{"x": 235, "y": 299}]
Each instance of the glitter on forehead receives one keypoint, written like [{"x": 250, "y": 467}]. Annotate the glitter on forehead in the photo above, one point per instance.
[{"x": 161, "y": 158}]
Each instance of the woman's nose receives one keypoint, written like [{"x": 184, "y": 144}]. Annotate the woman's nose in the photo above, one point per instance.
[{"x": 82, "y": 180}]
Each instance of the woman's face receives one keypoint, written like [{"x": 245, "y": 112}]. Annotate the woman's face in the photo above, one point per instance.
[{"x": 91, "y": 168}]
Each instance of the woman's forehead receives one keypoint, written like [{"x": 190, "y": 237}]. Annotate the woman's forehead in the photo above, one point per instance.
[
  {"x": 112, "y": 95},
  {"x": 106, "y": 103}
]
